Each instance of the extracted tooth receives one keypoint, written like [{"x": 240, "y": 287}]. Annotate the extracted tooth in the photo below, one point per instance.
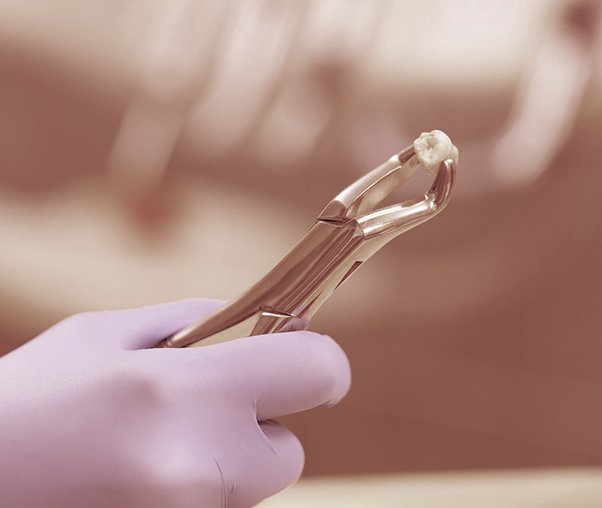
[{"x": 434, "y": 147}]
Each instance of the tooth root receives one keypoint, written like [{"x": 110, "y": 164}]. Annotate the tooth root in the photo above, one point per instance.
[{"x": 433, "y": 147}]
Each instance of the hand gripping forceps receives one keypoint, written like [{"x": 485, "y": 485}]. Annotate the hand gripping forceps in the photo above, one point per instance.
[{"x": 347, "y": 232}]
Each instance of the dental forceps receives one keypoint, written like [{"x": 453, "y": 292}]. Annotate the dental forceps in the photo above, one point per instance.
[{"x": 347, "y": 232}]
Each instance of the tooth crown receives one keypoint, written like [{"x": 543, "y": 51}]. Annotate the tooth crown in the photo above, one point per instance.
[{"x": 434, "y": 147}]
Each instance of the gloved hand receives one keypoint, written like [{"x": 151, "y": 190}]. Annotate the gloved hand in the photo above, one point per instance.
[{"x": 90, "y": 417}]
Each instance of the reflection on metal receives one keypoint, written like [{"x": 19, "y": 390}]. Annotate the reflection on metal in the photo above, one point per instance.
[{"x": 347, "y": 232}]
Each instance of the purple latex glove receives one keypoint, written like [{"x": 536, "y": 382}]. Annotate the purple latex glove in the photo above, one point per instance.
[{"x": 90, "y": 417}]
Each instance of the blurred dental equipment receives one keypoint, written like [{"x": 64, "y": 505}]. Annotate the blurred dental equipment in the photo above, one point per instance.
[
  {"x": 548, "y": 98},
  {"x": 274, "y": 82}
]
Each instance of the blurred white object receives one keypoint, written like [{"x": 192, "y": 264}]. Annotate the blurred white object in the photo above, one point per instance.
[
  {"x": 548, "y": 98},
  {"x": 270, "y": 80},
  {"x": 286, "y": 75},
  {"x": 76, "y": 246},
  {"x": 579, "y": 488}
]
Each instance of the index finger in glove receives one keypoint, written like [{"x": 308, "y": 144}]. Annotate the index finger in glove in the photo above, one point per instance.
[{"x": 278, "y": 374}]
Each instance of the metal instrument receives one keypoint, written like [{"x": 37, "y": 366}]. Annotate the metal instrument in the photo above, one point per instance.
[{"x": 347, "y": 232}]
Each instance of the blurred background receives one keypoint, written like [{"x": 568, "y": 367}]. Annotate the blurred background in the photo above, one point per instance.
[{"x": 155, "y": 150}]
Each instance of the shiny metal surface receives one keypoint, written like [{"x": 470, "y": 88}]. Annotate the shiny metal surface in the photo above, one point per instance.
[{"x": 347, "y": 232}]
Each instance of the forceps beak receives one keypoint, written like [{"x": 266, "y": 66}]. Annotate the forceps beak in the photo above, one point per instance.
[
  {"x": 359, "y": 201},
  {"x": 399, "y": 218}
]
